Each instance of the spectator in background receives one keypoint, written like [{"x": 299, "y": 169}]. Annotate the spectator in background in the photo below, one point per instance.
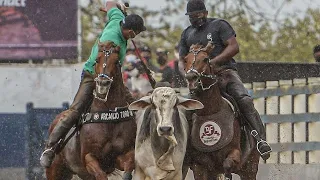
[
  {"x": 166, "y": 71},
  {"x": 178, "y": 70},
  {"x": 127, "y": 64},
  {"x": 316, "y": 53},
  {"x": 137, "y": 82},
  {"x": 146, "y": 53}
]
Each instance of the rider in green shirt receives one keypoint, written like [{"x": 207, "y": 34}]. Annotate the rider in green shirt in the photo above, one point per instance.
[
  {"x": 112, "y": 32},
  {"x": 118, "y": 29}
]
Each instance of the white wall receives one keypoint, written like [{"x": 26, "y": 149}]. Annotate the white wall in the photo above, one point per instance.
[{"x": 45, "y": 86}]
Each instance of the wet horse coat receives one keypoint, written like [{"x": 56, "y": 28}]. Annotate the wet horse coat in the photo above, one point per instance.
[
  {"x": 214, "y": 151},
  {"x": 100, "y": 147},
  {"x": 161, "y": 134}
]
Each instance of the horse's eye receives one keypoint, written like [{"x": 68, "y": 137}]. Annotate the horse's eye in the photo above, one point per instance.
[{"x": 206, "y": 59}]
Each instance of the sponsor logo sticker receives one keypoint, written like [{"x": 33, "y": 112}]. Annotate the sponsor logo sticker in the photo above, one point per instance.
[{"x": 210, "y": 133}]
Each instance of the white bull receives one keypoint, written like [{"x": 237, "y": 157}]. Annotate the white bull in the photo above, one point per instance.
[{"x": 162, "y": 132}]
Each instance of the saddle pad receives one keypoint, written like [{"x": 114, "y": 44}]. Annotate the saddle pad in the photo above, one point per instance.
[
  {"x": 108, "y": 116},
  {"x": 213, "y": 132}
]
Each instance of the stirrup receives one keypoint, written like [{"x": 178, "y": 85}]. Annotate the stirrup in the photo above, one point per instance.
[
  {"x": 47, "y": 157},
  {"x": 255, "y": 134}
]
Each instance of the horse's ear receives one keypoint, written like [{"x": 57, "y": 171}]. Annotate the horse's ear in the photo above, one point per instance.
[
  {"x": 189, "y": 104},
  {"x": 141, "y": 104},
  {"x": 209, "y": 47}
]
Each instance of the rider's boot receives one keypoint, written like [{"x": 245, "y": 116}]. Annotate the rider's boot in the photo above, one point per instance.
[
  {"x": 257, "y": 128},
  {"x": 70, "y": 118}
]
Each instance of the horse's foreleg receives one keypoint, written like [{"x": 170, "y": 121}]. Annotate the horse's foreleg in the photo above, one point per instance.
[
  {"x": 200, "y": 172},
  {"x": 58, "y": 170},
  {"x": 232, "y": 162},
  {"x": 93, "y": 167},
  {"x": 126, "y": 163}
]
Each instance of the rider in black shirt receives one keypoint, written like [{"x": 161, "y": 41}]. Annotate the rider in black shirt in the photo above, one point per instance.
[{"x": 223, "y": 36}]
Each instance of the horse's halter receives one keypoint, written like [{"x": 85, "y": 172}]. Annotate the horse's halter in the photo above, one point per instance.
[
  {"x": 202, "y": 74},
  {"x": 103, "y": 80}
]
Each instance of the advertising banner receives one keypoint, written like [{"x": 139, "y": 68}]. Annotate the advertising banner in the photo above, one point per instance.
[{"x": 38, "y": 29}]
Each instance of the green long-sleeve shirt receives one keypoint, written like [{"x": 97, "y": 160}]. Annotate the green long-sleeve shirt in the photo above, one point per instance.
[{"x": 111, "y": 32}]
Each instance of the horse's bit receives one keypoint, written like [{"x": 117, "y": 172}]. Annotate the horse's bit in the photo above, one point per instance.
[{"x": 201, "y": 74}]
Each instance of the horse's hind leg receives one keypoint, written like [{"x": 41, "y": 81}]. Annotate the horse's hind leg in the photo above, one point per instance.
[
  {"x": 200, "y": 172},
  {"x": 58, "y": 170},
  {"x": 249, "y": 170},
  {"x": 93, "y": 167},
  {"x": 126, "y": 162}
]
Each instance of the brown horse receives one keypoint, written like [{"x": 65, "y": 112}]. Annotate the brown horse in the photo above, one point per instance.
[
  {"x": 218, "y": 146},
  {"x": 106, "y": 138}
]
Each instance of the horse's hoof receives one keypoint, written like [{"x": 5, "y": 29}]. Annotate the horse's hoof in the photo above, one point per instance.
[{"x": 46, "y": 158}]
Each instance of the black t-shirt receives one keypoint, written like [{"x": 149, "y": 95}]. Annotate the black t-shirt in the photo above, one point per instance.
[{"x": 220, "y": 31}]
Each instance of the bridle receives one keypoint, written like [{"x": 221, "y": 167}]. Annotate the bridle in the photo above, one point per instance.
[
  {"x": 106, "y": 55},
  {"x": 202, "y": 74},
  {"x": 103, "y": 75}
]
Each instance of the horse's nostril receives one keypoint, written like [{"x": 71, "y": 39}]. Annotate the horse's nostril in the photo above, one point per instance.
[{"x": 165, "y": 129}]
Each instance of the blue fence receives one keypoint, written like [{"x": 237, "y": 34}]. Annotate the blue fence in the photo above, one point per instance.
[{"x": 23, "y": 138}]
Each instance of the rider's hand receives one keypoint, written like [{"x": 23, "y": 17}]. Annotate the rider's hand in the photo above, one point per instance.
[
  {"x": 214, "y": 66},
  {"x": 110, "y": 4},
  {"x": 122, "y": 7}
]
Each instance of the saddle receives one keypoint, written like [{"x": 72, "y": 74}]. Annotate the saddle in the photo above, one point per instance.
[{"x": 213, "y": 132}]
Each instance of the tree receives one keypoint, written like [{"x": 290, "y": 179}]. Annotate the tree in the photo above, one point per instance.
[{"x": 263, "y": 36}]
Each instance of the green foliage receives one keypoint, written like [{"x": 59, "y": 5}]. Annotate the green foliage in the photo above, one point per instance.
[{"x": 262, "y": 37}]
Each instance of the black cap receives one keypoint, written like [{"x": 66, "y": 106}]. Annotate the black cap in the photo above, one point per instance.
[
  {"x": 134, "y": 22},
  {"x": 195, "y": 6}
]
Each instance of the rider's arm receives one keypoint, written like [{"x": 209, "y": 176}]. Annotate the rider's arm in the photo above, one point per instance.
[
  {"x": 232, "y": 48},
  {"x": 228, "y": 36},
  {"x": 116, "y": 13},
  {"x": 183, "y": 47}
]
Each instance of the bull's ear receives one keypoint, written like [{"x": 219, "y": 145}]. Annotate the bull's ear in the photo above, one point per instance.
[
  {"x": 140, "y": 104},
  {"x": 189, "y": 104}
]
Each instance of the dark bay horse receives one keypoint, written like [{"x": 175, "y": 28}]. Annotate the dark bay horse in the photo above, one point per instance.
[
  {"x": 105, "y": 141},
  {"x": 218, "y": 145}
]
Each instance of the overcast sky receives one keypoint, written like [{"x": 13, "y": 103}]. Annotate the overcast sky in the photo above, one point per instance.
[{"x": 269, "y": 7}]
